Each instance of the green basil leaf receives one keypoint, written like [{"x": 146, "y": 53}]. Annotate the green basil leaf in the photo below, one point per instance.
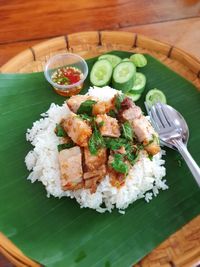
[
  {"x": 150, "y": 157},
  {"x": 96, "y": 141},
  {"x": 86, "y": 107},
  {"x": 119, "y": 165},
  {"x": 130, "y": 155},
  {"x": 101, "y": 123},
  {"x": 118, "y": 100},
  {"x": 65, "y": 146},
  {"x": 86, "y": 117},
  {"x": 127, "y": 131},
  {"x": 60, "y": 132},
  {"x": 114, "y": 143},
  {"x": 112, "y": 113}
]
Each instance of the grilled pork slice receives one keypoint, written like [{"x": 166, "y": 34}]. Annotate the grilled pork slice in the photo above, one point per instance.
[
  {"x": 95, "y": 167},
  {"x": 110, "y": 126},
  {"x": 142, "y": 128},
  {"x": 93, "y": 178},
  {"x": 75, "y": 101},
  {"x": 91, "y": 184},
  {"x": 77, "y": 129},
  {"x": 95, "y": 173},
  {"x": 129, "y": 111},
  {"x": 93, "y": 162},
  {"x": 103, "y": 107},
  {"x": 70, "y": 161},
  {"x": 146, "y": 135}
]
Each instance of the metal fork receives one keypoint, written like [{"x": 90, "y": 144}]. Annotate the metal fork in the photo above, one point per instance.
[{"x": 173, "y": 132}]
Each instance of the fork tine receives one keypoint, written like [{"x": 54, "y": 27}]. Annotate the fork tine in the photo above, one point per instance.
[
  {"x": 155, "y": 119},
  {"x": 161, "y": 115}
]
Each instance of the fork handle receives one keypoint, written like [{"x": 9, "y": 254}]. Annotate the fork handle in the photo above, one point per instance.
[{"x": 191, "y": 163}]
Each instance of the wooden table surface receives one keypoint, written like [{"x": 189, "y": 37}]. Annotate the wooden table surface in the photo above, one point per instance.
[{"x": 25, "y": 23}]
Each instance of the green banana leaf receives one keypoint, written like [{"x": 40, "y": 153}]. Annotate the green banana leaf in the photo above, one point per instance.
[{"x": 56, "y": 232}]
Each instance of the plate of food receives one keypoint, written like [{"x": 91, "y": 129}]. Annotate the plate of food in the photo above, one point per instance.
[{"x": 101, "y": 191}]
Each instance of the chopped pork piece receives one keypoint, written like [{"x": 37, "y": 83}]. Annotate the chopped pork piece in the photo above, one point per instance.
[
  {"x": 96, "y": 173},
  {"x": 95, "y": 166},
  {"x": 146, "y": 135},
  {"x": 75, "y": 101},
  {"x": 103, "y": 107},
  {"x": 110, "y": 126},
  {"x": 77, "y": 129},
  {"x": 70, "y": 161},
  {"x": 142, "y": 128},
  {"x": 129, "y": 111},
  {"x": 92, "y": 184},
  {"x": 93, "y": 162},
  {"x": 93, "y": 178},
  {"x": 153, "y": 148}
]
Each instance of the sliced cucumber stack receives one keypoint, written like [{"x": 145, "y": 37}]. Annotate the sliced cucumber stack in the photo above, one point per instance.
[
  {"x": 101, "y": 73},
  {"x": 139, "y": 60},
  {"x": 139, "y": 83},
  {"x": 138, "y": 87},
  {"x": 154, "y": 96},
  {"x": 124, "y": 76},
  {"x": 114, "y": 60},
  {"x": 133, "y": 96},
  {"x": 126, "y": 59}
]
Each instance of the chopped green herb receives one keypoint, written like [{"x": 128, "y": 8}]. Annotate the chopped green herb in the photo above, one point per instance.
[
  {"x": 114, "y": 143},
  {"x": 112, "y": 113},
  {"x": 118, "y": 100},
  {"x": 101, "y": 123},
  {"x": 60, "y": 132},
  {"x": 150, "y": 157},
  {"x": 86, "y": 107},
  {"x": 127, "y": 131},
  {"x": 119, "y": 165},
  {"x": 96, "y": 141},
  {"x": 85, "y": 117},
  {"x": 130, "y": 155},
  {"x": 65, "y": 146}
]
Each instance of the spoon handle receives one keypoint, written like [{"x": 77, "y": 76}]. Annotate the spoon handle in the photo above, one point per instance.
[{"x": 191, "y": 163}]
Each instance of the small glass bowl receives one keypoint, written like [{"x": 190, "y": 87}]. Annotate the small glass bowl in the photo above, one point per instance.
[{"x": 66, "y": 60}]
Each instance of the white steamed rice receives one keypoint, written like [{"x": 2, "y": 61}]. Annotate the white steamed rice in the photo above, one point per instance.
[{"x": 143, "y": 181}]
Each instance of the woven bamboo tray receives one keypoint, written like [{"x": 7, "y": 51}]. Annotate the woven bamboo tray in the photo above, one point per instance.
[{"x": 181, "y": 249}]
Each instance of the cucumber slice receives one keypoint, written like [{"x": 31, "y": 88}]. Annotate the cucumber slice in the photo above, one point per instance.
[
  {"x": 139, "y": 83},
  {"x": 124, "y": 76},
  {"x": 139, "y": 60},
  {"x": 134, "y": 97},
  {"x": 125, "y": 59},
  {"x": 101, "y": 73},
  {"x": 114, "y": 60},
  {"x": 154, "y": 96}
]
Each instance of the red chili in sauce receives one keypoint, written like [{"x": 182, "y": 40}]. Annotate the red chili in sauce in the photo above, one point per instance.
[{"x": 66, "y": 76}]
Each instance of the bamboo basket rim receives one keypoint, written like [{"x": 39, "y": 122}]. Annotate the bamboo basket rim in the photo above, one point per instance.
[
  {"x": 192, "y": 62},
  {"x": 95, "y": 42}
]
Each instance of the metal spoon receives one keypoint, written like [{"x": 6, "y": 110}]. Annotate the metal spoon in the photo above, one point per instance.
[{"x": 173, "y": 132}]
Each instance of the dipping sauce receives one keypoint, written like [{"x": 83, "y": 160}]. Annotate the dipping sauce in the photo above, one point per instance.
[
  {"x": 66, "y": 73},
  {"x": 67, "y": 76}
]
